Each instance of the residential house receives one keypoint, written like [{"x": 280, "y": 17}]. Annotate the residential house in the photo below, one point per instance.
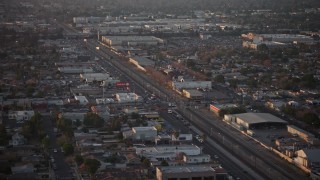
[
  {"x": 20, "y": 116},
  {"x": 26, "y": 168},
  {"x": 17, "y": 140}
]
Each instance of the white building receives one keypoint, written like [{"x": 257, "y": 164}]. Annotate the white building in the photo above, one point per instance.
[
  {"x": 202, "y": 158},
  {"x": 104, "y": 101},
  {"x": 90, "y": 77},
  {"x": 20, "y": 116},
  {"x": 191, "y": 85},
  {"x": 127, "y": 97},
  {"x": 182, "y": 137},
  {"x": 82, "y": 100},
  {"x": 141, "y": 133},
  {"x": 167, "y": 152},
  {"x": 17, "y": 140}
]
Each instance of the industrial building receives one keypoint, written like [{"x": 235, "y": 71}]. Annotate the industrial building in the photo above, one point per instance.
[
  {"x": 253, "y": 41},
  {"x": 185, "y": 172},
  {"x": 308, "y": 158},
  {"x": 141, "y": 62},
  {"x": 130, "y": 40},
  {"x": 251, "y": 121},
  {"x": 301, "y": 133}
]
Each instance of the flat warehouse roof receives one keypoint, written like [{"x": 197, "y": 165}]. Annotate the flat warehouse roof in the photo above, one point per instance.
[
  {"x": 255, "y": 118},
  {"x": 186, "y": 169}
]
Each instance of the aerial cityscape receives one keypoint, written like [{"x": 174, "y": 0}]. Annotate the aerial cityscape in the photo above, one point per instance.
[{"x": 160, "y": 90}]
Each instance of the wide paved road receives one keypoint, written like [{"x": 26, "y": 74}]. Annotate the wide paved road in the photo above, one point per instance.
[{"x": 63, "y": 170}]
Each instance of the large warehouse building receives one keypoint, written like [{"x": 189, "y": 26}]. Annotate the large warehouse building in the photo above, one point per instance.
[
  {"x": 256, "y": 120},
  {"x": 131, "y": 40}
]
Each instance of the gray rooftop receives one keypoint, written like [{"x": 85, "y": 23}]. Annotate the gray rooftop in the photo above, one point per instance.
[
  {"x": 186, "y": 169},
  {"x": 255, "y": 118}
]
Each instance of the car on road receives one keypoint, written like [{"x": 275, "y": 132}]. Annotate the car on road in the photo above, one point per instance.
[
  {"x": 55, "y": 167},
  {"x": 55, "y": 150},
  {"x": 199, "y": 138}
]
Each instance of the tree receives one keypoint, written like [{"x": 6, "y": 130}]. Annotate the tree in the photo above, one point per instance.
[
  {"x": 91, "y": 165},
  {"x": 3, "y": 136},
  {"x": 78, "y": 159},
  {"x": 311, "y": 119},
  {"x": 164, "y": 163},
  {"x": 134, "y": 115},
  {"x": 33, "y": 128},
  {"x": 233, "y": 110},
  {"x": 146, "y": 162},
  {"x": 309, "y": 81},
  {"x": 219, "y": 78},
  {"x": 63, "y": 123},
  {"x": 158, "y": 127},
  {"x": 93, "y": 120},
  {"x": 45, "y": 142},
  {"x": 289, "y": 110},
  {"x": 68, "y": 149}
]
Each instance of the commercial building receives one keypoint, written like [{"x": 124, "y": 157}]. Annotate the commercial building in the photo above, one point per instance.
[
  {"x": 130, "y": 40},
  {"x": 201, "y": 158},
  {"x": 192, "y": 94},
  {"x": 253, "y": 41},
  {"x": 167, "y": 152},
  {"x": 127, "y": 97},
  {"x": 179, "y": 85},
  {"x": 201, "y": 172},
  {"x": 141, "y": 134},
  {"x": 217, "y": 107}
]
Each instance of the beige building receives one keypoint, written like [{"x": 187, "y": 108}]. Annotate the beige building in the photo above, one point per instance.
[
  {"x": 192, "y": 94},
  {"x": 308, "y": 158}
]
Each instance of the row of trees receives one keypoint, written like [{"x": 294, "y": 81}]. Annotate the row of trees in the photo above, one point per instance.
[{"x": 306, "y": 116}]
